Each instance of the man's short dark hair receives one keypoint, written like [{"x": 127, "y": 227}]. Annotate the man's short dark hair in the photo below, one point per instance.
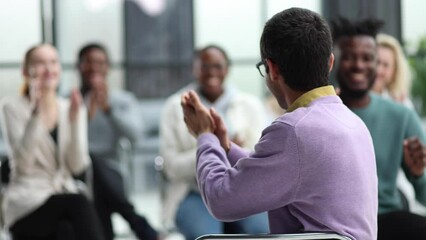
[
  {"x": 85, "y": 49},
  {"x": 299, "y": 42},
  {"x": 343, "y": 27}
]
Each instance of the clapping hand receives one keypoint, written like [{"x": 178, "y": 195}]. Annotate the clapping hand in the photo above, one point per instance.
[
  {"x": 34, "y": 90},
  {"x": 75, "y": 104},
  {"x": 221, "y": 132},
  {"x": 415, "y": 156},
  {"x": 196, "y": 116},
  {"x": 98, "y": 96},
  {"x": 200, "y": 120}
]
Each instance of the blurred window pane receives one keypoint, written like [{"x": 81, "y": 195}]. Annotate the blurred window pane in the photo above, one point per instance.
[{"x": 20, "y": 25}]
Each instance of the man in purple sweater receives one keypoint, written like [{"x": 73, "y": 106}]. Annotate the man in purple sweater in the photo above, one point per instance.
[{"x": 313, "y": 169}]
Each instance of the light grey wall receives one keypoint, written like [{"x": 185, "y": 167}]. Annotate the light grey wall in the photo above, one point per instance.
[
  {"x": 413, "y": 22},
  {"x": 20, "y": 28},
  {"x": 81, "y": 22}
]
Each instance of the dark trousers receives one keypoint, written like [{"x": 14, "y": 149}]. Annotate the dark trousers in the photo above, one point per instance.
[
  {"x": 401, "y": 225},
  {"x": 61, "y": 217},
  {"x": 110, "y": 197}
]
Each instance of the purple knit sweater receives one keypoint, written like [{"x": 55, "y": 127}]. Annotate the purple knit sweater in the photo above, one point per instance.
[{"x": 313, "y": 170}]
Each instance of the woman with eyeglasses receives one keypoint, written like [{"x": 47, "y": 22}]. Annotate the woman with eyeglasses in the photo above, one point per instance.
[{"x": 46, "y": 138}]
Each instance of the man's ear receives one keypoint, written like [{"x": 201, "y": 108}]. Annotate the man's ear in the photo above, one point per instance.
[
  {"x": 331, "y": 62},
  {"x": 273, "y": 69}
]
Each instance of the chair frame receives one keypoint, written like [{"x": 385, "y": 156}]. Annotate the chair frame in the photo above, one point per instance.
[{"x": 296, "y": 236}]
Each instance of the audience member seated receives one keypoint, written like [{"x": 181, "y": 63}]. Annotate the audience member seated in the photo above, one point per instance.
[
  {"x": 393, "y": 79},
  {"x": 313, "y": 169},
  {"x": 46, "y": 138},
  {"x": 396, "y": 130},
  {"x": 112, "y": 115},
  {"x": 245, "y": 117}
]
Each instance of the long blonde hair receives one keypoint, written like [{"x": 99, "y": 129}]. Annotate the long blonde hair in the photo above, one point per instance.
[
  {"x": 400, "y": 84},
  {"x": 25, "y": 88}
]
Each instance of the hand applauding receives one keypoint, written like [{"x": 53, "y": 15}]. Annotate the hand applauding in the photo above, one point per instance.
[
  {"x": 200, "y": 120},
  {"x": 415, "y": 156},
  {"x": 75, "y": 104}
]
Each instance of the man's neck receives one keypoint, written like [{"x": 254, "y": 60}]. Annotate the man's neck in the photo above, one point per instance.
[
  {"x": 290, "y": 98},
  {"x": 355, "y": 102},
  {"x": 291, "y": 95}
]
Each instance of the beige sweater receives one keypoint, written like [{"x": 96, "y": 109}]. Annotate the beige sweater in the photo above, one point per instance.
[{"x": 36, "y": 173}]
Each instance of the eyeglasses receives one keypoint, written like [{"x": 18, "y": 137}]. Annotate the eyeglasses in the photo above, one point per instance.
[
  {"x": 262, "y": 67},
  {"x": 208, "y": 67}
]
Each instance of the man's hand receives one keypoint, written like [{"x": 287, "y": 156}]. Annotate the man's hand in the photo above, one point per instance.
[
  {"x": 238, "y": 140},
  {"x": 196, "y": 115},
  {"x": 415, "y": 156},
  {"x": 221, "y": 132}
]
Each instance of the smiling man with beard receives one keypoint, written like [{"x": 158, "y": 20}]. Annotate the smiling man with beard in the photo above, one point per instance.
[
  {"x": 245, "y": 117},
  {"x": 397, "y": 133}
]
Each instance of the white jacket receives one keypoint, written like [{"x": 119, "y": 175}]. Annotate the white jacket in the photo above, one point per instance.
[
  {"x": 36, "y": 173},
  {"x": 244, "y": 116}
]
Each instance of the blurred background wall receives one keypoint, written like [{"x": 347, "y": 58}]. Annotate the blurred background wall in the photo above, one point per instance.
[{"x": 151, "y": 42}]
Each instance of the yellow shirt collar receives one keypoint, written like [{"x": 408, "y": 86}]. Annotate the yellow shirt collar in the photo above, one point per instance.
[{"x": 310, "y": 96}]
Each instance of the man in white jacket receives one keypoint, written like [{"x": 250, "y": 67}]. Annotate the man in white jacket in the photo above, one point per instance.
[{"x": 245, "y": 119}]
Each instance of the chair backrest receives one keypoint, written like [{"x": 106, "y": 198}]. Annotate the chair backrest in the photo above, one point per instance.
[{"x": 297, "y": 236}]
